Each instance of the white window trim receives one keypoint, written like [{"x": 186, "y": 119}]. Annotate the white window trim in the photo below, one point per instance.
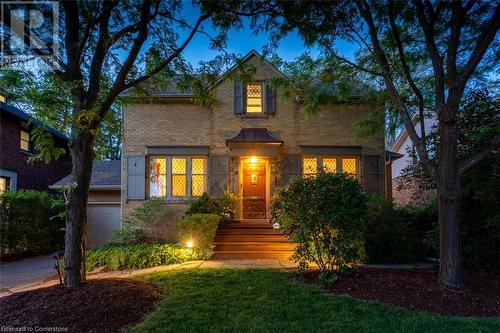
[{"x": 169, "y": 196}]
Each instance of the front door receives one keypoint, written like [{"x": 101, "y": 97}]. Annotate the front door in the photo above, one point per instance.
[{"x": 254, "y": 188}]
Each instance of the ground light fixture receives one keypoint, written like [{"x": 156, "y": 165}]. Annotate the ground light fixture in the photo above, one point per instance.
[{"x": 189, "y": 244}]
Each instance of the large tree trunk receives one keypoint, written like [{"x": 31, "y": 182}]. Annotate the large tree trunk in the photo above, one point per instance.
[
  {"x": 82, "y": 156},
  {"x": 450, "y": 268}
]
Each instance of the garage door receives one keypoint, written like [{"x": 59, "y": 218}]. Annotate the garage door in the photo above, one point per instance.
[{"x": 102, "y": 220}]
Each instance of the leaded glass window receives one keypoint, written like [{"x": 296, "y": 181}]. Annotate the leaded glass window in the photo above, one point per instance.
[
  {"x": 254, "y": 98},
  {"x": 157, "y": 176}
]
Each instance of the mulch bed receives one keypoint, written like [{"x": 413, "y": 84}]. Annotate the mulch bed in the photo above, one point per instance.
[
  {"x": 98, "y": 306},
  {"x": 419, "y": 289}
]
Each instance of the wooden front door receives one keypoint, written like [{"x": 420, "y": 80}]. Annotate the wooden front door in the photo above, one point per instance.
[{"x": 254, "y": 189}]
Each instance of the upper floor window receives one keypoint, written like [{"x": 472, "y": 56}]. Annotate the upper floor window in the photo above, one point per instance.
[
  {"x": 25, "y": 140},
  {"x": 254, "y": 98},
  {"x": 177, "y": 176},
  {"x": 311, "y": 165}
]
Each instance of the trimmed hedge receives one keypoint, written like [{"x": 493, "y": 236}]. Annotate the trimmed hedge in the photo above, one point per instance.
[
  {"x": 200, "y": 229},
  {"x": 115, "y": 256},
  {"x": 31, "y": 222}
]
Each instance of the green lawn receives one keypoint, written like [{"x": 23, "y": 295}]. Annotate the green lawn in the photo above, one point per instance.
[{"x": 237, "y": 300}]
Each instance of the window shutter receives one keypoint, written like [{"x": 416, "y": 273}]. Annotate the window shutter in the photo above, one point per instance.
[
  {"x": 239, "y": 98},
  {"x": 270, "y": 103},
  {"x": 371, "y": 174},
  {"x": 218, "y": 174},
  {"x": 290, "y": 168},
  {"x": 136, "y": 178}
]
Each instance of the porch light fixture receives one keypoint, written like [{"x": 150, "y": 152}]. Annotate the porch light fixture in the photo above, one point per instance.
[
  {"x": 253, "y": 159},
  {"x": 189, "y": 244}
]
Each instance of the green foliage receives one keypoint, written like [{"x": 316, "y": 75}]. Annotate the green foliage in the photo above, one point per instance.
[
  {"x": 199, "y": 229},
  {"x": 31, "y": 222},
  {"x": 325, "y": 216},
  {"x": 115, "y": 256},
  {"x": 152, "y": 215},
  {"x": 227, "y": 207},
  {"x": 397, "y": 235},
  {"x": 204, "y": 205},
  {"x": 129, "y": 236},
  {"x": 44, "y": 147}
]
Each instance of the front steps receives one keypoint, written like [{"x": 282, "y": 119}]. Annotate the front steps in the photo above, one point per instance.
[{"x": 251, "y": 241}]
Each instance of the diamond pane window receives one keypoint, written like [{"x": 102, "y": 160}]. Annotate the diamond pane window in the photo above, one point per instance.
[
  {"x": 157, "y": 176},
  {"x": 310, "y": 166},
  {"x": 349, "y": 166},
  {"x": 179, "y": 177},
  {"x": 330, "y": 165},
  {"x": 254, "y": 98},
  {"x": 198, "y": 176}
]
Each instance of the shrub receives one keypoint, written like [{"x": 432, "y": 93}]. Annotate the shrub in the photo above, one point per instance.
[
  {"x": 227, "y": 207},
  {"x": 396, "y": 235},
  {"x": 31, "y": 222},
  {"x": 325, "y": 217},
  {"x": 152, "y": 215},
  {"x": 199, "y": 229},
  {"x": 115, "y": 256},
  {"x": 204, "y": 205},
  {"x": 130, "y": 235}
]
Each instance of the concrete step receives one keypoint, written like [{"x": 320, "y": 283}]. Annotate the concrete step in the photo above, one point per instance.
[
  {"x": 283, "y": 255},
  {"x": 254, "y": 246},
  {"x": 250, "y": 238},
  {"x": 249, "y": 231},
  {"x": 247, "y": 225}
]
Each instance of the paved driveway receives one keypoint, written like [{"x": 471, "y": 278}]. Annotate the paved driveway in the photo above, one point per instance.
[{"x": 26, "y": 272}]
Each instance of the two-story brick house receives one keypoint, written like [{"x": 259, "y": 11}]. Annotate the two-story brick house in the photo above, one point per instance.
[
  {"x": 250, "y": 142},
  {"x": 16, "y": 146}
]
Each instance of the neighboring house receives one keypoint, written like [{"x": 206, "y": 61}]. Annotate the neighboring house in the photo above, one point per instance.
[
  {"x": 249, "y": 143},
  {"x": 16, "y": 147},
  {"x": 407, "y": 191},
  {"x": 103, "y": 207}
]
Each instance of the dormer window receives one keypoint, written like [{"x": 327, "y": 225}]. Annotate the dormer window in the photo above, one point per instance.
[
  {"x": 25, "y": 140},
  {"x": 254, "y": 98}
]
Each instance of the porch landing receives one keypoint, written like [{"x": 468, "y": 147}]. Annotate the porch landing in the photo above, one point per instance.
[{"x": 251, "y": 240}]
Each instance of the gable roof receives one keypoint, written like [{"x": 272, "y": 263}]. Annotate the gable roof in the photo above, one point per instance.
[
  {"x": 106, "y": 175},
  {"x": 172, "y": 91},
  {"x": 21, "y": 115}
]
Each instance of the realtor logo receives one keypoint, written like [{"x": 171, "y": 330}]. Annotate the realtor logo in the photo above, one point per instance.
[{"x": 29, "y": 29}]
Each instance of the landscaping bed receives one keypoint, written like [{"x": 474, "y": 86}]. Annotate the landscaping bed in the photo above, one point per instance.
[
  {"x": 98, "y": 306},
  {"x": 419, "y": 289}
]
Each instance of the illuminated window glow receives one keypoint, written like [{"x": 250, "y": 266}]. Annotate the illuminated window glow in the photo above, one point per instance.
[
  {"x": 349, "y": 166},
  {"x": 157, "y": 176},
  {"x": 198, "y": 176},
  {"x": 4, "y": 184},
  {"x": 254, "y": 98},
  {"x": 310, "y": 166},
  {"x": 25, "y": 140},
  {"x": 179, "y": 177},
  {"x": 330, "y": 165},
  {"x": 3, "y": 99}
]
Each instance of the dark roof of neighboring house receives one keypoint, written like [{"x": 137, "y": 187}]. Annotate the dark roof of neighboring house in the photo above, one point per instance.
[
  {"x": 393, "y": 155},
  {"x": 254, "y": 135},
  {"x": 21, "y": 115},
  {"x": 105, "y": 175}
]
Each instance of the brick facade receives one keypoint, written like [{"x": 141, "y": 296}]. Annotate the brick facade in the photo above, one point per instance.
[
  {"x": 164, "y": 123},
  {"x": 36, "y": 176}
]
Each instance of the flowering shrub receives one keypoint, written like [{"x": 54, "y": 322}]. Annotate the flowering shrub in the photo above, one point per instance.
[{"x": 325, "y": 216}]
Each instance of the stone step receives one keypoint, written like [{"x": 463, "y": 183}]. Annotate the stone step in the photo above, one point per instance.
[
  {"x": 283, "y": 255},
  {"x": 249, "y": 231},
  {"x": 247, "y": 225},
  {"x": 254, "y": 246},
  {"x": 250, "y": 238}
]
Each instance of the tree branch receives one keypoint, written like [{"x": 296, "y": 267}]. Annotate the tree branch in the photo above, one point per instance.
[
  {"x": 491, "y": 147},
  {"x": 432, "y": 50},
  {"x": 483, "y": 42}
]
